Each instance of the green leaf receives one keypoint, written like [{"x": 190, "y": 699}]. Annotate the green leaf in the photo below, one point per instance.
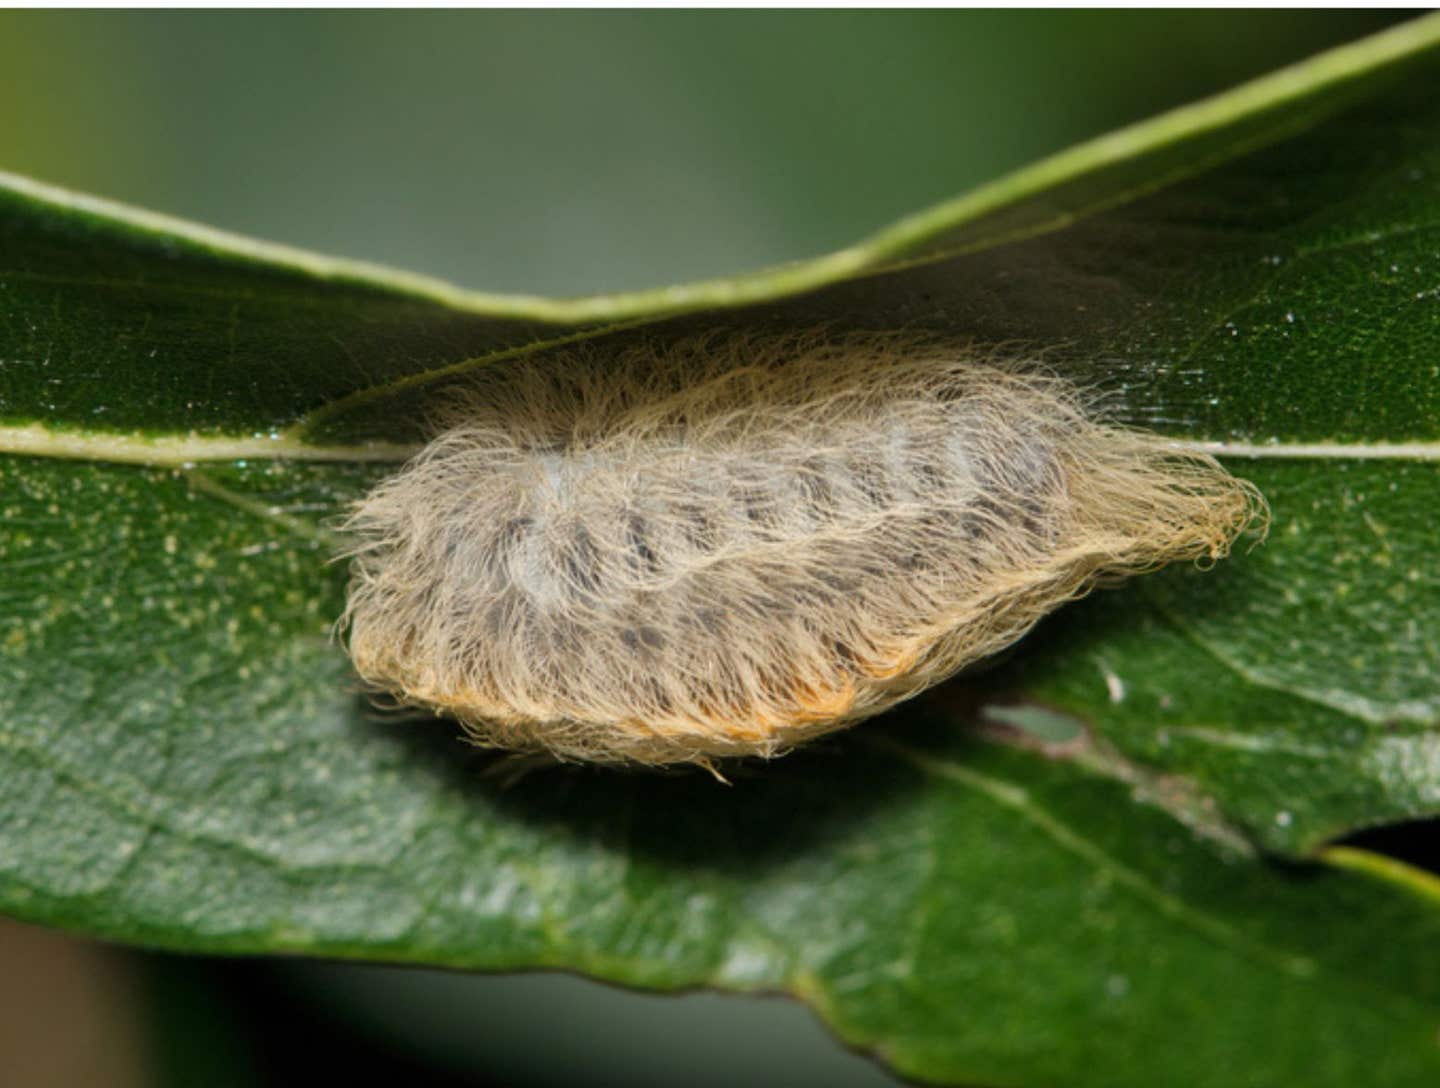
[{"x": 991, "y": 886}]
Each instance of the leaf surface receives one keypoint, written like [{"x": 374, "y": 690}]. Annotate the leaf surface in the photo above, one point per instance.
[{"x": 1047, "y": 871}]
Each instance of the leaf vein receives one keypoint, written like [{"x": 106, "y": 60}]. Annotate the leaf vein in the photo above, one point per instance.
[{"x": 1018, "y": 800}]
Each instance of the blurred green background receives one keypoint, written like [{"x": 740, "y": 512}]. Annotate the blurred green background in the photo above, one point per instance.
[{"x": 557, "y": 153}]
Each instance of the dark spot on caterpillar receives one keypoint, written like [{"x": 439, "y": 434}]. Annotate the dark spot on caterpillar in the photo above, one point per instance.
[
  {"x": 871, "y": 482},
  {"x": 581, "y": 563},
  {"x": 697, "y": 528},
  {"x": 711, "y": 619},
  {"x": 754, "y": 501},
  {"x": 649, "y": 637},
  {"x": 640, "y": 549},
  {"x": 506, "y": 544}
]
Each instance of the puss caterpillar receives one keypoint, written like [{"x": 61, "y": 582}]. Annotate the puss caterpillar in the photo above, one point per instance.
[{"x": 730, "y": 546}]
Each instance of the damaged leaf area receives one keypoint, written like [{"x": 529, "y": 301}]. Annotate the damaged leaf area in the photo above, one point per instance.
[{"x": 1109, "y": 843}]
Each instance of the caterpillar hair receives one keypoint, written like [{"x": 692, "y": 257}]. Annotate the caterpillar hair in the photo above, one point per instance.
[{"x": 732, "y": 545}]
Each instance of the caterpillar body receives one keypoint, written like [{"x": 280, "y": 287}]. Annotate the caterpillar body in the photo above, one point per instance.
[{"x": 728, "y": 547}]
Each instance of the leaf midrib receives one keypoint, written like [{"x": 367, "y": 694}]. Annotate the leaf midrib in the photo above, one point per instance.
[{"x": 188, "y": 448}]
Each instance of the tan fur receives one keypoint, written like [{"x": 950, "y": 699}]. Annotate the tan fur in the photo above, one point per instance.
[{"x": 731, "y": 546}]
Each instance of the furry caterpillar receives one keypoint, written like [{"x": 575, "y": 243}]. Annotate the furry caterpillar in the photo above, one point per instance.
[{"x": 728, "y": 547}]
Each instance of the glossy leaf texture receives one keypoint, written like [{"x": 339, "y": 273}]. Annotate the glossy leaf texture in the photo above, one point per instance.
[{"x": 1053, "y": 870}]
